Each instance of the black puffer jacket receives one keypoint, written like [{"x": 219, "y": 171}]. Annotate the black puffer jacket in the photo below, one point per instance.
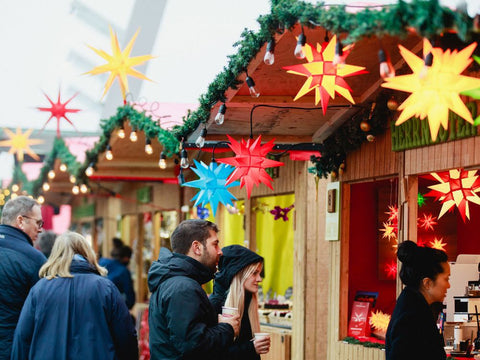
[
  {"x": 234, "y": 259},
  {"x": 183, "y": 323}
]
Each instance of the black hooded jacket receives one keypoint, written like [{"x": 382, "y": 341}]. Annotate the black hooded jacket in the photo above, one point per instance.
[
  {"x": 234, "y": 259},
  {"x": 183, "y": 323}
]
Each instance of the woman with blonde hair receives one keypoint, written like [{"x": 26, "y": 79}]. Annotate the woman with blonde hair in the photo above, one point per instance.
[
  {"x": 74, "y": 311},
  {"x": 236, "y": 286}
]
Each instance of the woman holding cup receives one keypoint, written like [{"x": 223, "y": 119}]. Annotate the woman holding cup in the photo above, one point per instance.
[{"x": 235, "y": 290}]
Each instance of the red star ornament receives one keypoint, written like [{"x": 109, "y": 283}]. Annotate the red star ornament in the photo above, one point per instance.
[
  {"x": 250, "y": 163},
  {"x": 456, "y": 187},
  {"x": 58, "y": 110},
  {"x": 323, "y": 75}
]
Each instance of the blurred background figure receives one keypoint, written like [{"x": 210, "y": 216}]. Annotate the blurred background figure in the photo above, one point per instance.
[
  {"x": 45, "y": 242},
  {"x": 118, "y": 270},
  {"x": 74, "y": 312},
  {"x": 236, "y": 286}
]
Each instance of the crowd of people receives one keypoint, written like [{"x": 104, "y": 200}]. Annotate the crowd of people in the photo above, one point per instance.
[{"x": 59, "y": 302}]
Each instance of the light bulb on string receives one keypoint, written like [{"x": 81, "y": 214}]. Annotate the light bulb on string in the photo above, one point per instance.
[
  {"x": 133, "y": 135},
  {"x": 15, "y": 187},
  {"x": 40, "y": 199},
  {"x": 301, "y": 41},
  {"x": 251, "y": 87},
  {"x": 200, "y": 142},
  {"x": 184, "y": 164},
  {"x": 338, "y": 58},
  {"x": 121, "y": 132},
  {"x": 89, "y": 171},
  {"x": 46, "y": 186},
  {"x": 148, "y": 146},
  {"x": 83, "y": 188},
  {"x": 386, "y": 68},
  {"x": 72, "y": 179},
  {"x": 51, "y": 174},
  {"x": 109, "y": 152},
  {"x": 75, "y": 189},
  {"x": 269, "y": 57},
  {"x": 63, "y": 167},
  {"x": 162, "y": 163},
  {"x": 427, "y": 65},
  {"x": 220, "y": 118}
]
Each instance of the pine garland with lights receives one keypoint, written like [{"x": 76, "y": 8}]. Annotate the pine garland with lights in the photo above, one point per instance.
[
  {"x": 59, "y": 151},
  {"x": 368, "y": 344}
]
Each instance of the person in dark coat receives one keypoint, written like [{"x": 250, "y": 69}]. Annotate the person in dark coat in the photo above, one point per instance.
[
  {"x": 118, "y": 272},
  {"x": 19, "y": 263},
  {"x": 236, "y": 286},
  {"x": 74, "y": 312},
  {"x": 412, "y": 332},
  {"x": 183, "y": 323}
]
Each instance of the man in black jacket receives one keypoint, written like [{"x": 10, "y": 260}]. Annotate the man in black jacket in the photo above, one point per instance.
[
  {"x": 183, "y": 323},
  {"x": 19, "y": 263}
]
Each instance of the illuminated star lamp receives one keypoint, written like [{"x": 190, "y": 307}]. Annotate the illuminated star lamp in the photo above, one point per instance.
[
  {"x": 324, "y": 76},
  {"x": 435, "y": 90},
  {"x": 438, "y": 244},
  {"x": 212, "y": 183},
  {"x": 392, "y": 213},
  {"x": 420, "y": 200},
  {"x": 20, "y": 143},
  {"x": 456, "y": 187},
  {"x": 391, "y": 269},
  {"x": 58, "y": 110},
  {"x": 389, "y": 231},
  {"x": 474, "y": 93},
  {"x": 250, "y": 163},
  {"x": 379, "y": 320},
  {"x": 119, "y": 64},
  {"x": 427, "y": 222}
]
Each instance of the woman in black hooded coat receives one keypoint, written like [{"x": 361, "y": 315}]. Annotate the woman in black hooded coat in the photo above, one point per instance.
[{"x": 236, "y": 285}]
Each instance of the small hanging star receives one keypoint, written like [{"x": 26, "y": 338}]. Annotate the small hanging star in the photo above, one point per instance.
[
  {"x": 202, "y": 213},
  {"x": 380, "y": 320},
  {"x": 421, "y": 242},
  {"x": 427, "y": 222},
  {"x": 388, "y": 231},
  {"x": 58, "y": 110},
  {"x": 20, "y": 143},
  {"x": 119, "y": 64},
  {"x": 420, "y": 200},
  {"x": 281, "y": 213},
  {"x": 391, "y": 269},
  {"x": 392, "y": 213},
  {"x": 438, "y": 244}
]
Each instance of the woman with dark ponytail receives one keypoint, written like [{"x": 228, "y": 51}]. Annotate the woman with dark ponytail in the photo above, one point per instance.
[{"x": 412, "y": 333}]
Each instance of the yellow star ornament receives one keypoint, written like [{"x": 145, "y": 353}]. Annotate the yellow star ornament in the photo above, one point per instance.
[
  {"x": 435, "y": 89},
  {"x": 119, "y": 64},
  {"x": 20, "y": 143}
]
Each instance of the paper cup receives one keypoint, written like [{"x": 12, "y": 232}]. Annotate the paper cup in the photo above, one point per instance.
[
  {"x": 260, "y": 336},
  {"x": 229, "y": 311}
]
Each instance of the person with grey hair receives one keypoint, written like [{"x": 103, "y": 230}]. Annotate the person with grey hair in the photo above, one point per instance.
[
  {"x": 20, "y": 262},
  {"x": 45, "y": 242}
]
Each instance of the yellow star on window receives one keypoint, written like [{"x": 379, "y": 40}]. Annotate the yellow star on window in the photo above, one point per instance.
[
  {"x": 119, "y": 64},
  {"x": 20, "y": 143},
  {"x": 436, "y": 89},
  {"x": 438, "y": 244}
]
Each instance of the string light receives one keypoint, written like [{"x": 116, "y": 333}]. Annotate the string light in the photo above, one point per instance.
[
  {"x": 200, "y": 142},
  {"x": 428, "y": 64},
  {"x": 121, "y": 132},
  {"x": 269, "y": 57},
  {"x": 109, "y": 152},
  {"x": 184, "y": 164},
  {"x": 75, "y": 189},
  {"x": 51, "y": 174},
  {"x": 63, "y": 167},
  {"x": 251, "y": 87},
  {"x": 83, "y": 188},
  {"x": 338, "y": 58},
  {"x": 46, "y": 186},
  {"x": 133, "y": 135},
  {"x": 72, "y": 179},
  {"x": 40, "y": 199},
  {"x": 386, "y": 67},
  {"x": 162, "y": 163},
  {"x": 15, "y": 187},
  {"x": 148, "y": 146},
  {"x": 220, "y": 118},
  {"x": 298, "y": 52},
  {"x": 89, "y": 171}
]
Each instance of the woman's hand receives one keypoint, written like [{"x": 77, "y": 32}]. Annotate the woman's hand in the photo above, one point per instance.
[{"x": 262, "y": 346}]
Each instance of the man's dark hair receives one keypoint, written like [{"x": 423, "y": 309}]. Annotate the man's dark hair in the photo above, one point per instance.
[
  {"x": 188, "y": 231},
  {"x": 117, "y": 242},
  {"x": 45, "y": 242},
  {"x": 119, "y": 253}
]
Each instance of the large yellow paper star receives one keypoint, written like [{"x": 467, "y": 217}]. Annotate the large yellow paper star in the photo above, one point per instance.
[
  {"x": 323, "y": 75},
  {"x": 119, "y": 64},
  {"x": 380, "y": 320},
  {"x": 20, "y": 143},
  {"x": 436, "y": 89}
]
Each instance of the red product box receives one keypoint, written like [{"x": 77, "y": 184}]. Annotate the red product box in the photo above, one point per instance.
[{"x": 359, "y": 325}]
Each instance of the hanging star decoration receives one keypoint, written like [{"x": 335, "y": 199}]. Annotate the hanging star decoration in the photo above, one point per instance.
[
  {"x": 435, "y": 89},
  {"x": 427, "y": 222},
  {"x": 58, "y": 110},
  {"x": 260, "y": 207},
  {"x": 20, "y": 143},
  {"x": 421, "y": 243},
  {"x": 323, "y": 75},
  {"x": 456, "y": 187},
  {"x": 379, "y": 320},
  {"x": 250, "y": 163},
  {"x": 388, "y": 231},
  {"x": 420, "y": 200},
  {"x": 392, "y": 213},
  {"x": 390, "y": 227},
  {"x": 474, "y": 93},
  {"x": 212, "y": 184},
  {"x": 119, "y": 64},
  {"x": 281, "y": 213},
  {"x": 202, "y": 213},
  {"x": 391, "y": 269},
  {"x": 438, "y": 244}
]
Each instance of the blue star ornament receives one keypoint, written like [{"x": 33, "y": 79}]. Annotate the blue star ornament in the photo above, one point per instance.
[{"x": 212, "y": 184}]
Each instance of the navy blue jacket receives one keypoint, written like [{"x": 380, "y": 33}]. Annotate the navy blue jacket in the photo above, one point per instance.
[
  {"x": 183, "y": 323},
  {"x": 83, "y": 317},
  {"x": 19, "y": 265},
  {"x": 412, "y": 332},
  {"x": 121, "y": 277}
]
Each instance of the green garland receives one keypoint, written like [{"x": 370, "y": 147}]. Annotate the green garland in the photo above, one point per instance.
[
  {"x": 59, "y": 151},
  {"x": 368, "y": 344}
]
